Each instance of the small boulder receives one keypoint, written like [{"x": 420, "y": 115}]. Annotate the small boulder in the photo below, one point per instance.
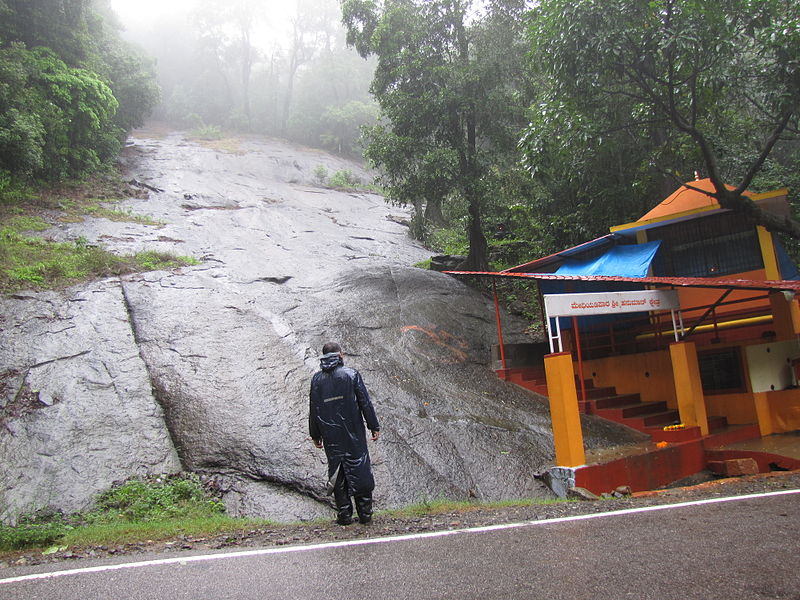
[
  {"x": 579, "y": 493},
  {"x": 734, "y": 467},
  {"x": 622, "y": 491},
  {"x": 446, "y": 262}
]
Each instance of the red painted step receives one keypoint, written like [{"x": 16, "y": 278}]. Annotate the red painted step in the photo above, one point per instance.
[{"x": 616, "y": 401}]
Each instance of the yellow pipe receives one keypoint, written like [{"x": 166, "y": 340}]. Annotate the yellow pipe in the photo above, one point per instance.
[{"x": 721, "y": 325}]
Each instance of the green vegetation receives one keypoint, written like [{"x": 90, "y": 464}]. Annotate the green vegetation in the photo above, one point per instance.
[
  {"x": 561, "y": 118},
  {"x": 343, "y": 180},
  {"x": 33, "y": 262},
  {"x": 154, "y": 500},
  {"x": 140, "y": 509},
  {"x": 73, "y": 210},
  {"x": 321, "y": 174},
  {"x": 30, "y": 261},
  {"x": 166, "y": 507},
  {"x": 71, "y": 91},
  {"x": 207, "y": 133},
  {"x": 635, "y": 96},
  {"x": 308, "y": 87},
  {"x": 423, "y": 264}
]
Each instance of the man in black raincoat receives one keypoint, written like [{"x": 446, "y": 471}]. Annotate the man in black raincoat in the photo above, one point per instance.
[{"x": 339, "y": 405}]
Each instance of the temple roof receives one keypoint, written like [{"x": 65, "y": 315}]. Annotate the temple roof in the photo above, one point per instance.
[{"x": 685, "y": 199}]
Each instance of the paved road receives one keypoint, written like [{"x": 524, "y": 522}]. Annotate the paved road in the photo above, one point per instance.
[{"x": 743, "y": 548}]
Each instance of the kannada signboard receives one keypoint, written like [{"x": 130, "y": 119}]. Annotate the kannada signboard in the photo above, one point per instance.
[{"x": 604, "y": 303}]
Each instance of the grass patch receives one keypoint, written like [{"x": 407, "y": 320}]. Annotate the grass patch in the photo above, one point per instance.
[
  {"x": 73, "y": 210},
  {"x": 344, "y": 181},
  {"x": 212, "y": 137},
  {"x": 22, "y": 223},
  {"x": 156, "y": 509},
  {"x": 424, "y": 264},
  {"x": 31, "y": 262},
  {"x": 225, "y": 146},
  {"x": 125, "y": 216},
  {"x": 139, "y": 510},
  {"x": 108, "y": 534},
  {"x": 445, "y": 506},
  {"x": 206, "y": 133}
]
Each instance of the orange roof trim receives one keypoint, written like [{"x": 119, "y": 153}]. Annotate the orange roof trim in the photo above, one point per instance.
[{"x": 686, "y": 199}]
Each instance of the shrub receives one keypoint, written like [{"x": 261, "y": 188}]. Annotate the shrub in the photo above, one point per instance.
[
  {"x": 36, "y": 531},
  {"x": 155, "y": 499},
  {"x": 344, "y": 180},
  {"x": 57, "y": 120},
  {"x": 321, "y": 174}
]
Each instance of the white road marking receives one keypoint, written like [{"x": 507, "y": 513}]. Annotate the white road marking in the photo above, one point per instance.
[{"x": 184, "y": 560}]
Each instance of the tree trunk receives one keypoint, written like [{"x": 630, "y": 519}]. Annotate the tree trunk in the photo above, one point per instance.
[
  {"x": 247, "y": 67},
  {"x": 477, "y": 259},
  {"x": 433, "y": 212}
]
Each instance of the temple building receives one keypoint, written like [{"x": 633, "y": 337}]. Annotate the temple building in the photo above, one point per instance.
[{"x": 684, "y": 325}]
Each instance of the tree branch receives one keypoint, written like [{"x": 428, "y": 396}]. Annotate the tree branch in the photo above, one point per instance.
[{"x": 771, "y": 141}]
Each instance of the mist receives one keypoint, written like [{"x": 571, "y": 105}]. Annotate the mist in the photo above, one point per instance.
[{"x": 267, "y": 67}]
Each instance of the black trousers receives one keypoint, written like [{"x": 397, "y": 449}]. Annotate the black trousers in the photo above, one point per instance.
[{"x": 344, "y": 506}]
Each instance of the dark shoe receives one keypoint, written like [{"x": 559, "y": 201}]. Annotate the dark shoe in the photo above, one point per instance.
[
  {"x": 344, "y": 520},
  {"x": 365, "y": 520}
]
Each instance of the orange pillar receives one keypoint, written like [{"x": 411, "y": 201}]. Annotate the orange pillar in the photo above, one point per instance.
[
  {"x": 688, "y": 386},
  {"x": 785, "y": 315},
  {"x": 566, "y": 420},
  {"x": 763, "y": 413}
]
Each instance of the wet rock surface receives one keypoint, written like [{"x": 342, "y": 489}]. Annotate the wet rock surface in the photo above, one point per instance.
[{"x": 207, "y": 368}]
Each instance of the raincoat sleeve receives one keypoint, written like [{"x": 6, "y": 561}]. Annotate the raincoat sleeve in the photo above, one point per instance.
[
  {"x": 313, "y": 422},
  {"x": 365, "y": 404}
]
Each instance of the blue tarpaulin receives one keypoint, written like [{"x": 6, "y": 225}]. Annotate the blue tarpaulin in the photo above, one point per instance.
[
  {"x": 624, "y": 261},
  {"x": 785, "y": 263}
]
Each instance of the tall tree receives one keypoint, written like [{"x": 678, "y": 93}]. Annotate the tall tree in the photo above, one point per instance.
[
  {"x": 313, "y": 28},
  {"x": 226, "y": 31},
  {"x": 716, "y": 82},
  {"x": 449, "y": 94}
]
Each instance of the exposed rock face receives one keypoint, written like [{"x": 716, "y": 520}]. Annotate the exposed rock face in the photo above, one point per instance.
[
  {"x": 208, "y": 369},
  {"x": 76, "y": 411}
]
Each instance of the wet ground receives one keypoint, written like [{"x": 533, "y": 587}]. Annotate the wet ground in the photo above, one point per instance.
[
  {"x": 388, "y": 524},
  {"x": 783, "y": 444}
]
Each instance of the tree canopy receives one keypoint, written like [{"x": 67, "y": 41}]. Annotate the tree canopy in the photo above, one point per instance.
[
  {"x": 448, "y": 84},
  {"x": 70, "y": 88},
  {"x": 662, "y": 88}
]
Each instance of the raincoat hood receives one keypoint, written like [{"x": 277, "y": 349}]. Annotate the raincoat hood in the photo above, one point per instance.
[{"x": 330, "y": 361}]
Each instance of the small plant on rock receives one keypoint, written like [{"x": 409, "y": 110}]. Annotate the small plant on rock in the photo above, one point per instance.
[{"x": 321, "y": 174}]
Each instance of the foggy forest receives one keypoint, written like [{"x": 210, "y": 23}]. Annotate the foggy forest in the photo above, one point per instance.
[{"x": 554, "y": 118}]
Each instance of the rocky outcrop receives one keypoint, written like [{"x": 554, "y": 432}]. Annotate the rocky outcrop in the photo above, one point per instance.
[
  {"x": 207, "y": 369},
  {"x": 77, "y": 411}
]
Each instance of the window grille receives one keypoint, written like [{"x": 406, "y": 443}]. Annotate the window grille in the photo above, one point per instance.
[
  {"x": 712, "y": 246},
  {"x": 721, "y": 371}
]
